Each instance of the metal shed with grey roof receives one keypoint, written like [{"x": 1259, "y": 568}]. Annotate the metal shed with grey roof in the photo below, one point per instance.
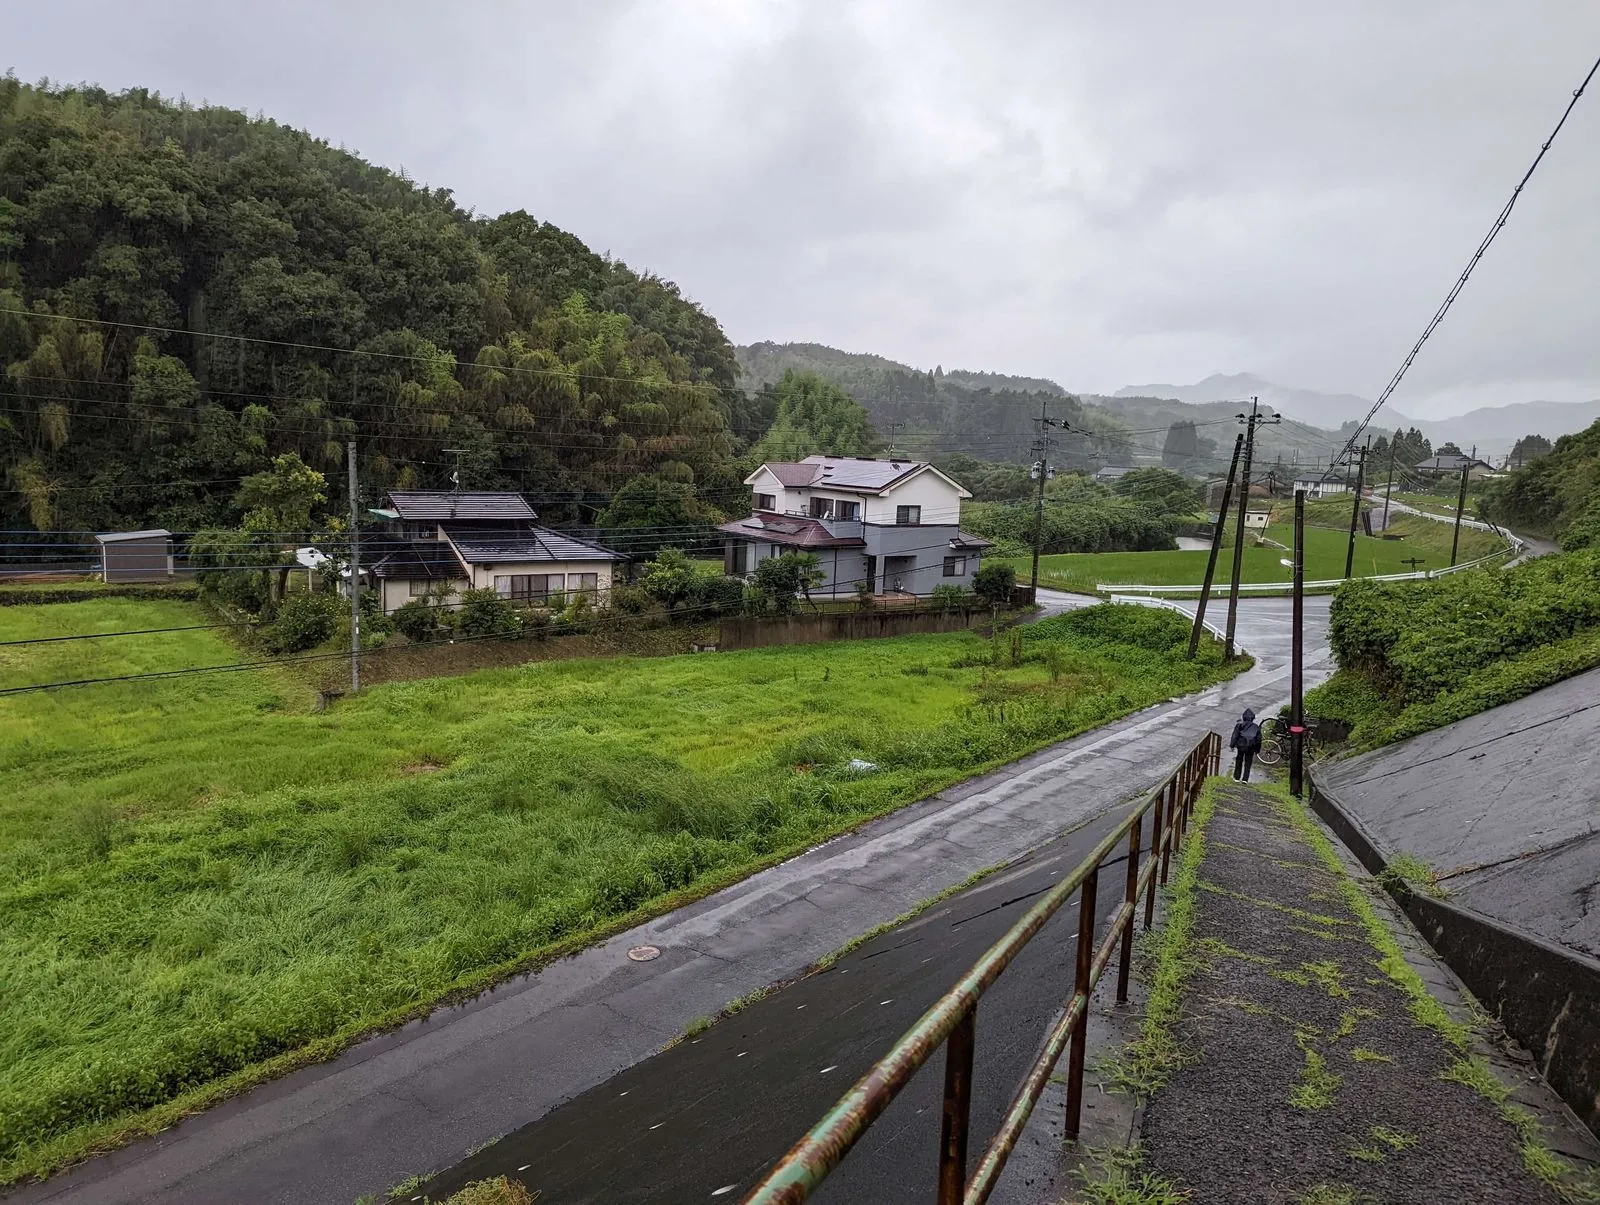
[{"x": 136, "y": 556}]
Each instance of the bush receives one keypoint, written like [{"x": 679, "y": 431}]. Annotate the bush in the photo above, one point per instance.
[
  {"x": 485, "y": 613},
  {"x": 993, "y": 582},
  {"x": 864, "y": 596},
  {"x": 631, "y": 600},
  {"x": 303, "y": 622},
  {"x": 949, "y": 598},
  {"x": 1416, "y": 639},
  {"x": 719, "y": 595},
  {"x": 418, "y": 621}
]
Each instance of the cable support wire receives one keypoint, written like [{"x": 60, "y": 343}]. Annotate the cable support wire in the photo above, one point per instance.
[{"x": 1455, "y": 290}]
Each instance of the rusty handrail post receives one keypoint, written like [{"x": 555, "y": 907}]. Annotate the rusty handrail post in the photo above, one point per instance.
[
  {"x": 1168, "y": 836},
  {"x": 957, "y": 1108},
  {"x": 1155, "y": 855},
  {"x": 1081, "y": 987},
  {"x": 1125, "y": 964}
]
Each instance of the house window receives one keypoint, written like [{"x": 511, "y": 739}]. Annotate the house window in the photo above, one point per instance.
[
  {"x": 417, "y": 587},
  {"x": 907, "y": 516},
  {"x": 584, "y": 583},
  {"x": 955, "y": 566},
  {"x": 766, "y": 502},
  {"x": 834, "y": 508},
  {"x": 530, "y": 587}
]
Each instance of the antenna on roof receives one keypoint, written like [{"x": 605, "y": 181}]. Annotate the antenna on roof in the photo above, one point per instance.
[
  {"x": 455, "y": 476},
  {"x": 893, "y": 427}
]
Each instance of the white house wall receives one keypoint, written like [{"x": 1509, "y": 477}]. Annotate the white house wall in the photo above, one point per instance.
[{"x": 939, "y": 501}]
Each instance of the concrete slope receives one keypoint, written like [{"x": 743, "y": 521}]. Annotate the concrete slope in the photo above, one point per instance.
[
  {"x": 419, "y": 1098},
  {"x": 1504, "y": 805}
]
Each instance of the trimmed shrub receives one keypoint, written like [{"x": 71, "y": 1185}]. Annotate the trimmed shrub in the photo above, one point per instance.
[
  {"x": 485, "y": 613},
  {"x": 993, "y": 582},
  {"x": 303, "y": 622}
]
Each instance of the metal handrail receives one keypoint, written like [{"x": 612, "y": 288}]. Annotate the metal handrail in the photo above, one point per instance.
[{"x": 952, "y": 1019}]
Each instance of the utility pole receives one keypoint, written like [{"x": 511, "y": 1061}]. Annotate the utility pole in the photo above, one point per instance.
[
  {"x": 1041, "y": 472},
  {"x": 1297, "y": 729},
  {"x": 455, "y": 476},
  {"x": 1216, "y": 546},
  {"x": 893, "y": 427},
  {"x": 1251, "y": 421},
  {"x": 1355, "y": 511},
  {"x": 355, "y": 580},
  {"x": 1388, "y": 489},
  {"x": 1461, "y": 503}
]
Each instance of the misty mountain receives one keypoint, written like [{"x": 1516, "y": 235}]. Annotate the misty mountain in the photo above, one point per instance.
[
  {"x": 1325, "y": 410},
  {"x": 1494, "y": 429}
]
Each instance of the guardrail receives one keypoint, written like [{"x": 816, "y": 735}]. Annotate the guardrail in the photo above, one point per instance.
[{"x": 952, "y": 1020}]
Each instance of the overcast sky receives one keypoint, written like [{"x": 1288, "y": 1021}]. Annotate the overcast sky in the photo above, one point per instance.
[{"x": 1106, "y": 194}]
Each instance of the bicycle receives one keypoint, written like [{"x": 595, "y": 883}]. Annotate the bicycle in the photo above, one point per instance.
[{"x": 1275, "y": 741}]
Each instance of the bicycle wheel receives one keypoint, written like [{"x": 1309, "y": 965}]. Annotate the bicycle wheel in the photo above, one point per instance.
[{"x": 1271, "y": 752}]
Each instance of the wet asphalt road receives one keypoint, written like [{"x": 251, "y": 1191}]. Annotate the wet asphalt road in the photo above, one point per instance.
[{"x": 704, "y": 1119}]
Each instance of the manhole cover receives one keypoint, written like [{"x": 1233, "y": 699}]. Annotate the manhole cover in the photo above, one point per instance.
[{"x": 644, "y": 953}]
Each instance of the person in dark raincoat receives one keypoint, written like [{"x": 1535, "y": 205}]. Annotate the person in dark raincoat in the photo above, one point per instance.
[{"x": 1245, "y": 742}]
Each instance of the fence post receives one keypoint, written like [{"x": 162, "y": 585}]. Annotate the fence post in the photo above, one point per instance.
[
  {"x": 1169, "y": 835},
  {"x": 1155, "y": 855},
  {"x": 957, "y": 1107},
  {"x": 1132, "y": 900},
  {"x": 1080, "y": 1031}
]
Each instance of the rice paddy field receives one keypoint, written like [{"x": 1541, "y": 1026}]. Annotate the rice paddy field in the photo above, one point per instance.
[
  {"x": 204, "y": 880},
  {"x": 1425, "y": 539}
]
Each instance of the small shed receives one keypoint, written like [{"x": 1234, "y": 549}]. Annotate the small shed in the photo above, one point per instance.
[{"x": 136, "y": 556}]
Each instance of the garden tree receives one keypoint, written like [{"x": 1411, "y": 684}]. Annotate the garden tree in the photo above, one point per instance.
[
  {"x": 1530, "y": 447},
  {"x": 814, "y": 417},
  {"x": 649, "y": 514},
  {"x": 375, "y": 309},
  {"x": 277, "y": 508},
  {"x": 669, "y": 579},
  {"x": 1447, "y": 449},
  {"x": 779, "y": 579},
  {"x": 993, "y": 582}
]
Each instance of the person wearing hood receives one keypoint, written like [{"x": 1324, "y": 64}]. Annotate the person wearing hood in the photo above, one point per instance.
[{"x": 1245, "y": 742}]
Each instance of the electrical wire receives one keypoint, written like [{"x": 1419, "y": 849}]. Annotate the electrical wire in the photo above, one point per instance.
[{"x": 1461, "y": 282}]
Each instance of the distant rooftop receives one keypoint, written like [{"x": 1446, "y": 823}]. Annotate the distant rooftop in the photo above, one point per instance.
[
  {"x": 867, "y": 473},
  {"x": 444, "y": 505},
  {"x": 539, "y": 544},
  {"x": 112, "y": 537}
]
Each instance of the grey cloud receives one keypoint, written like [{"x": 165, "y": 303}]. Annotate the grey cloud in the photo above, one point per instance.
[{"x": 1099, "y": 193}]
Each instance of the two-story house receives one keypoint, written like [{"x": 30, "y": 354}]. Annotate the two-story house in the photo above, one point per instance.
[
  {"x": 443, "y": 542},
  {"x": 895, "y": 524}
]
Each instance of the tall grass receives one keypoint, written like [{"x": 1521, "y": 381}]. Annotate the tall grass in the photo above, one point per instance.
[{"x": 199, "y": 874}]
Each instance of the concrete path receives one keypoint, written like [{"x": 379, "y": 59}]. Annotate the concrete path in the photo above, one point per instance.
[
  {"x": 417, "y": 1099},
  {"x": 1302, "y": 1072}
]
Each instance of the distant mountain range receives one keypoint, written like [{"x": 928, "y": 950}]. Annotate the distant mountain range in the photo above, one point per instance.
[
  {"x": 1494, "y": 429},
  {"x": 961, "y": 401}
]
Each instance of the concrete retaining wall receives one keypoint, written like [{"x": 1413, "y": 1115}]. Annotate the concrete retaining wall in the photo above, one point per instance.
[
  {"x": 747, "y": 632},
  {"x": 1546, "y": 996}
]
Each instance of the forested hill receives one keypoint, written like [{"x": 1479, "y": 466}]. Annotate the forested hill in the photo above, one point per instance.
[
  {"x": 135, "y": 233},
  {"x": 987, "y": 415}
]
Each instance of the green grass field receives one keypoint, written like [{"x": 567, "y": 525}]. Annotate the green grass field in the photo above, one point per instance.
[
  {"x": 203, "y": 880},
  {"x": 1325, "y": 552}
]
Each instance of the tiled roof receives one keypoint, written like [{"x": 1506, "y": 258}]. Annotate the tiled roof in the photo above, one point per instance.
[
  {"x": 539, "y": 544},
  {"x": 1451, "y": 463},
  {"x": 430, "y": 560},
  {"x": 793, "y": 530},
  {"x": 444, "y": 505}
]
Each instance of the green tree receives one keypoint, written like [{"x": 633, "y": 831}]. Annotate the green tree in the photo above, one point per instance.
[
  {"x": 780, "y": 579},
  {"x": 669, "y": 579},
  {"x": 993, "y": 582},
  {"x": 1530, "y": 447},
  {"x": 648, "y": 514},
  {"x": 1168, "y": 493},
  {"x": 815, "y": 417},
  {"x": 277, "y": 509}
]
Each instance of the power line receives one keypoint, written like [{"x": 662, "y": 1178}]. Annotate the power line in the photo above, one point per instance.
[{"x": 1461, "y": 281}]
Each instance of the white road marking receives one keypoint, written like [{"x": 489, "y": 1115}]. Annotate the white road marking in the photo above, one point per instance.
[
  {"x": 890, "y": 1000},
  {"x": 825, "y": 1070},
  {"x": 658, "y": 1125},
  {"x": 524, "y": 1167},
  {"x": 724, "y": 1188},
  {"x": 741, "y": 1054}
]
